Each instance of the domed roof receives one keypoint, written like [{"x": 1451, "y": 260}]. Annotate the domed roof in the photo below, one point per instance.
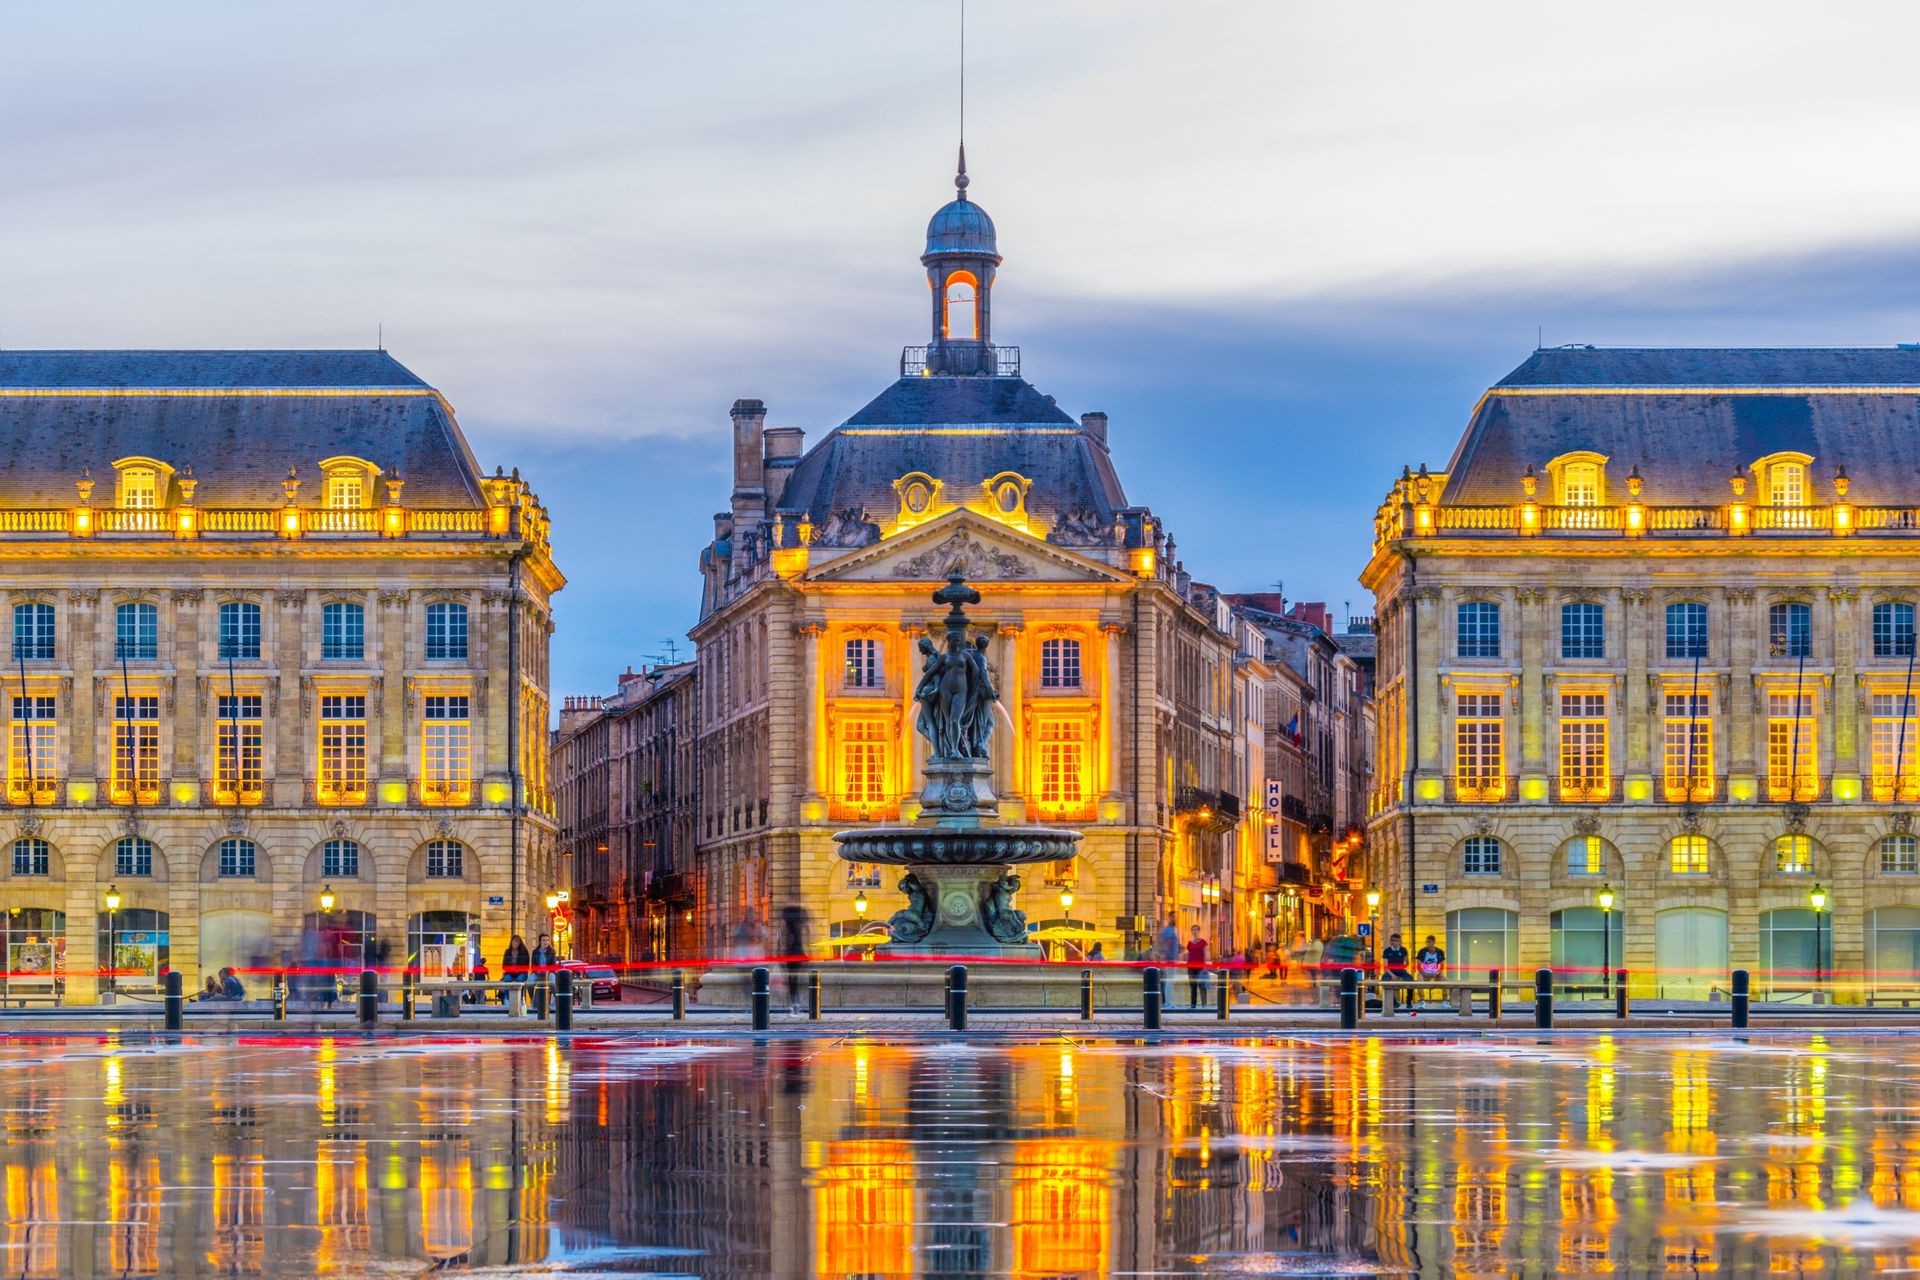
[{"x": 961, "y": 226}]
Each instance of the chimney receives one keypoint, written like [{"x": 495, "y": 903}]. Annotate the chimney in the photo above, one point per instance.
[
  {"x": 1095, "y": 425},
  {"x": 783, "y": 455},
  {"x": 576, "y": 711},
  {"x": 749, "y": 489}
]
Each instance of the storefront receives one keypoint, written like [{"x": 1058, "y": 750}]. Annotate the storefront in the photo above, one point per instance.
[
  {"x": 35, "y": 946},
  {"x": 443, "y": 945},
  {"x": 138, "y": 946}
]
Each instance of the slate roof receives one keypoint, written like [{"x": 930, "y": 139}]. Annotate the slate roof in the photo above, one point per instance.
[
  {"x": 1688, "y": 417},
  {"x": 911, "y": 426},
  {"x": 240, "y": 445}
]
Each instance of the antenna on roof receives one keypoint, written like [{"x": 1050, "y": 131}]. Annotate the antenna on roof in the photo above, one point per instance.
[
  {"x": 963, "y": 78},
  {"x": 1539, "y": 337},
  {"x": 379, "y": 336}
]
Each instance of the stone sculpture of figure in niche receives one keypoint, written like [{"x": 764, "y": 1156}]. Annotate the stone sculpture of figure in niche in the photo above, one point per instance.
[
  {"x": 916, "y": 922},
  {"x": 997, "y": 912}
]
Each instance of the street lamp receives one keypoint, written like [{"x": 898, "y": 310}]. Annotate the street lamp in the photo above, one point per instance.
[
  {"x": 860, "y": 904},
  {"x": 553, "y": 902},
  {"x": 1817, "y": 896},
  {"x": 1606, "y": 938},
  {"x": 113, "y": 933},
  {"x": 1066, "y": 899},
  {"x": 326, "y": 898},
  {"x": 1373, "y": 929}
]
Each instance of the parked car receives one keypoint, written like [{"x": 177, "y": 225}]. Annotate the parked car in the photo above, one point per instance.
[{"x": 606, "y": 983}]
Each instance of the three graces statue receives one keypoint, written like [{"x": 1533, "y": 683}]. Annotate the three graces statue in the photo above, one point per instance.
[{"x": 956, "y": 692}]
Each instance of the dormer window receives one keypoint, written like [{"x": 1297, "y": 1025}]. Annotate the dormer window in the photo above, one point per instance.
[
  {"x": 139, "y": 488},
  {"x": 346, "y": 490},
  {"x": 1787, "y": 484},
  {"x": 1582, "y": 484}
]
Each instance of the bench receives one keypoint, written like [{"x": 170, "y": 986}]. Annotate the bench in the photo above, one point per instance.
[{"x": 1904, "y": 1000}]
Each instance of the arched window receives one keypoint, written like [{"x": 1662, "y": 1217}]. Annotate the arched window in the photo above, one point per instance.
[
  {"x": 136, "y": 631},
  {"x": 963, "y": 319},
  {"x": 133, "y": 856},
  {"x": 1060, "y": 663},
  {"x": 1793, "y": 855},
  {"x": 1893, "y": 630},
  {"x": 1583, "y": 631},
  {"x": 1479, "y": 629},
  {"x": 1790, "y": 630},
  {"x": 863, "y": 669},
  {"x": 1688, "y": 855},
  {"x": 1586, "y": 856},
  {"x": 340, "y": 860},
  {"x": 239, "y": 630},
  {"x": 1480, "y": 856},
  {"x": 343, "y": 632},
  {"x": 446, "y": 860},
  {"x": 446, "y": 632},
  {"x": 237, "y": 859},
  {"x": 32, "y": 856},
  {"x": 1687, "y": 630},
  {"x": 33, "y": 632},
  {"x": 1900, "y": 856}
]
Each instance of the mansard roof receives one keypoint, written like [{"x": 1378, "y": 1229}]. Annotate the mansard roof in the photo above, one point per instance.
[
  {"x": 239, "y": 419},
  {"x": 1687, "y": 417}
]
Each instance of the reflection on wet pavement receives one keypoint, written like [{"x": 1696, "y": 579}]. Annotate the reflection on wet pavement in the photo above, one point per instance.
[{"x": 847, "y": 1158}]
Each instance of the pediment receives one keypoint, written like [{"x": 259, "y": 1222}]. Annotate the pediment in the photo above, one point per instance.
[{"x": 966, "y": 542}]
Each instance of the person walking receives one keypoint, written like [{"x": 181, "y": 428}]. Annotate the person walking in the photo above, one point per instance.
[
  {"x": 793, "y": 951},
  {"x": 1393, "y": 959},
  {"x": 1168, "y": 954},
  {"x": 1431, "y": 962},
  {"x": 1196, "y": 970}
]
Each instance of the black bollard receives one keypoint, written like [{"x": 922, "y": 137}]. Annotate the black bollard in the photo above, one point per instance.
[
  {"x": 409, "y": 996},
  {"x": 1493, "y": 995},
  {"x": 762, "y": 998},
  {"x": 1620, "y": 994},
  {"x": 1225, "y": 994},
  {"x": 563, "y": 1000},
  {"x": 1543, "y": 998},
  {"x": 1086, "y": 995},
  {"x": 540, "y": 995},
  {"x": 1741, "y": 997},
  {"x": 813, "y": 995},
  {"x": 279, "y": 997},
  {"x": 176, "y": 1000},
  {"x": 1349, "y": 999},
  {"x": 957, "y": 997},
  {"x": 369, "y": 997},
  {"x": 1150, "y": 994},
  {"x": 679, "y": 996}
]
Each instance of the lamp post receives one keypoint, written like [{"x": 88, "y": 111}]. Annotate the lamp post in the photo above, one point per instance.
[
  {"x": 860, "y": 904},
  {"x": 1817, "y": 896},
  {"x": 1373, "y": 923},
  {"x": 113, "y": 933},
  {"x": 1606, "y": 938}
]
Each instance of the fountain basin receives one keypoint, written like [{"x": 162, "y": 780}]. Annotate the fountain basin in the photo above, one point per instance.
[
  {"x": 961, "y": 875},
  {"x": 935, "y": 846}
]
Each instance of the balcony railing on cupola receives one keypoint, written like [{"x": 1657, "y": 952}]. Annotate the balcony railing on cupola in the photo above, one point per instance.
[{"x": 975, "y": 358}]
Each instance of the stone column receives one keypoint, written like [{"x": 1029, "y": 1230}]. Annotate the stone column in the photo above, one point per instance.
[
  {"x": 387, "y": 712},
  {"x": 1112, "y": 768},
  {"x": 1744, "y": 636},
  {"x": 1844, "y": 694},
  {"x": 82, "y": 738},
  {"x": 1632, "y": 758},
  {"x": 1535, "y": 760},
  {"x": 289, "y": 714},
  {"x": 1010, "y": 782},
  {"x": 185, "y": 694},
  {"x": 812, "y": 739},
  {"x": 1426, "y": 619}
]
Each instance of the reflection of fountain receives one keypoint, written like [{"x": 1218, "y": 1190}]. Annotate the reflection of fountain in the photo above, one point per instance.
[{"x": 958, "y": 887}]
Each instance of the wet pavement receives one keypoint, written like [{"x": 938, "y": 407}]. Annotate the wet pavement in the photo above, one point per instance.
[{"x": 919, "y": 1156}]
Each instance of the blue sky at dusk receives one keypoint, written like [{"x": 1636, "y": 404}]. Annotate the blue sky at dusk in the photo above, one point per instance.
[{"x": 1283, "y": 246}]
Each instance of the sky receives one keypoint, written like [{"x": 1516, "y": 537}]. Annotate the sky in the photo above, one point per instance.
[{"x": 1284, "y": 246}]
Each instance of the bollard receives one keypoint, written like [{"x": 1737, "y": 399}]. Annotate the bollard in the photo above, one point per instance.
[
  {"x": 1620, "y": 994},
  {"x": 176, "y": 1000},
  {"x": 1226, "y": 990},
  {"x": 1543, "y": 998},
  {"x": 279, "y": 997},
  {"x": 1465, "y": 996},
  {"x": 679, "y": 996},
  {"x": 369, "y": 997},
  {"x": 1349, "y": 999},
  {"x": 1493, "y": 995},
  {"x": 813, "y": 995},
  {"x": 1741, "y": 997},
  {"x": 957, "y": 997},
  {"x": 409, "y": 996},
  {"x": 762, "y": 998},
  {"x": 1150, "y": 994},
  {"x": 1086, "y": 995},
  {"x": 540, "y": 996},
  {"x": 563, "y": 1001}
]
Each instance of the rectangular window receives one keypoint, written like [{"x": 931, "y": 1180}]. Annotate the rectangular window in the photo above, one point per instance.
[
  {"x": 1060, "y": 664},
  {"x": 1581, "y": 484},
  {"x": 346, "y": 491},
  {"x": 343, "y": 632},
  {"x": 1480, "y": 856},
  {"x": 1583, "y": 631},
  {"x": 136, "y": 750},
  {"x": 1900, "y": 856},
  {"x": 139, "y": 488},
  {"x": 445, "y": 860},
  {"x": 1787, "y": 484},
  {"x": 1687, "y": 855},
  {"x": 1793, "y": 855},
  {"x": 33, "y": 632},
  {"x": 1479, "y": 627},
  {"x": 1479, "y": 754},
  {"x": 136, "y": 632},
  {"x": 863, "y": 763},
  {"x": 446, "y": 633},
  {"x": 1687, "y": 750},
  {"x": 239, "y": 630},
  {"x": 1792, "y": 761},
  {"x": 1790, "y": 630},
  {"x": 1687, "y": 630},
  {"x": 1893, "y": 631},
  {"x": 31, "y": 762},
  {"x": 446, "y": 751},
  {"x": 343, "y": 749},
  {"x": 32, "y": 856},
  {"x": 1895, "y": 739},
  {"x": 1586, "y": 856},
  {"x": 238, "y": 776},
  {"x": 1063, "y": 759},
  {"x": 863, "y": 664},
  {"x": 1584, "y": 773}
]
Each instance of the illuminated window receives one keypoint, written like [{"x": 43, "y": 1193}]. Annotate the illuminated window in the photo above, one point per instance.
[
  {"x": 1790, "y": 630},
  {"x": 133, "y": 856},
  {"x": 238, "y": 777},
  {"x": 1583, "y": 632},
  {"x": 32, "y": 856},
  {"x": 863, "y": 763},
  {"x": 1479, "y": 627},
  {"x": 136, "y": 749},
  {"x": 446, "y": 633},
  {"x": 1893, "y": 631},
  {"x": 1687, "y": 855},
  {"x": 1063, "y": 758},
  {"x": 1586, "y": 856},
  {"x": 346, "y": 490},
  {"x": 343, "y": 632},
  {"x": 1900, "y": 856},
  {"x": 1479, "y": 756},
  {"x": 1895, "y": 737},
  {"x": 340, "y": 859},
  {"x": 1793, "y": 854},
  {"x": 1060, "y": 664},
  {"x": 1584, "y": 774},
  {"x": 30, "y": 755},
  {"x": 343, "y": 749},
  {"x": 1791, "y": 757},
  {"x": 237, "y": 859},
  {"x": 1580, "y": 484},
  {"x": 863, "y": 664},
  {"x": 1687, "y": 755},
  {"x": 33, "y": 632},
  {"x": 136, "y": 631},
  {"x": 1687, "y": 630},
  {"x": 1787, "y": 484},
  {"x": 446, "y": 860},
  {"x": 139, "y": 488},
  {"x": 446, "y": 750},
  {"x": 239, "y": 630},
  {"x": 1480, "y": 856},
  {"x": 962, "y": 310}
]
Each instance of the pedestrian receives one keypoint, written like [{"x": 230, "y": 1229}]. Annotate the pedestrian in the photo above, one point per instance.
[
  {"x": 213, "y": 989},
  {"x": 1196, "y": 970},
  {"x": 544, "y": 956},
  {"x": 1393, "y": 958},
  {"x": 231, "y": 988},
  {"x": 479, "y": 975},
  {"x": 1168, "y": 953},
  {"x": 793, "y": 951},
  {"x": 1431, "y": 962},
  {"x": 514, "y": 961},
  {"x": 1098, "y": 955},
  {"x": 1310, "y": 952}
]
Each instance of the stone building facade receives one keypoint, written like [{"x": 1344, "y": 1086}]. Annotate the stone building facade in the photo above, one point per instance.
[
  {"x": 274, "y": 635},
  {"x": 1652, "y": 631},
  {"x": 1117, "y": 674}
]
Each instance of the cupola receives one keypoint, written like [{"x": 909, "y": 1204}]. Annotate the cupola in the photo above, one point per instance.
[{"x": 961, "y": 258}]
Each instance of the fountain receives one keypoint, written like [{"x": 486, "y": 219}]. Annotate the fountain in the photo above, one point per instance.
[{"x": 958, "y": 882}]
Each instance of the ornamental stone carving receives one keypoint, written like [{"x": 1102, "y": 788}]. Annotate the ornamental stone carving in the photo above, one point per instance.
[
  {"x": 30, "y": 825},
  {"x": 1079, "y": 527},
  {"x": 236, "y": 824},
  {"x": 443, "y": 827},
  {"x": 132, "y": 824},
  {"x": 291, "y": 599},
  {"x": 1587, "y": 825},
  {"x": 337, "y": 829},
  {"x": 1797, "y": 815},
  {"x": 394, "y": 599},
  {"x": 82, "y": 599},
  {"x": 965, "y": 556},
  {"x": 1483, "y": 826},
  {"x": 1901, "y": 822},
  {"x": 186, "y": 599}
]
